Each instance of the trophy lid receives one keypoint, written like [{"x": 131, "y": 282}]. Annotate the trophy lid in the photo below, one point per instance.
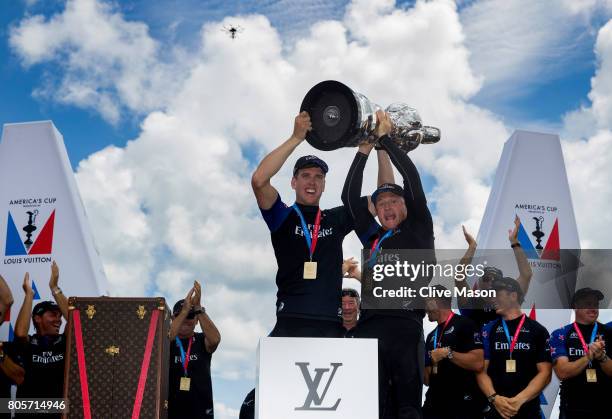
[{"x": 334, "y": 115}]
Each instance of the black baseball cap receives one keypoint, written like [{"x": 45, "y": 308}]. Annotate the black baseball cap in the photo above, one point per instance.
[
  {"x": 178, "y": 307},
  {"x": 44, "y": 306},
  {"x": 309, "y": 161},
  {"x": 508, "y": 284},
  {"x": 492, "y": 273},
  {"x": 387, "y": 187},
  {"x": 350, "y": 292},
  {"x": 583, "y": 293}
]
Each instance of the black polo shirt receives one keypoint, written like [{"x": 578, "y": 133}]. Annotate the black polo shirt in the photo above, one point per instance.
[
  {"x": 452, "y": 384},
  {"x": 43, "y": 361},
  {"x": 577, "y": 394},
  {"x": 318, "y": 298},
  {"x": 196, "y": 403},
  {"x": 532, "y": 347}
]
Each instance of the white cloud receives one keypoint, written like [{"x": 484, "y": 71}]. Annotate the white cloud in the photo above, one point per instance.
[
  {"x": 588, "y": 152},
  {"x": 520, "y": 43},
  {"x": 107, "y": 63}
]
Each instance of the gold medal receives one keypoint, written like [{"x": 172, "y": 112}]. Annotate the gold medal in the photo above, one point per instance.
[
  {"x": 434, "y": 369},
  {"x": 591, "y": 375},
  {"x": 185, "y": 384},
  {"x": 510, "y": 365},
  {"x": 310, "y": 270}
]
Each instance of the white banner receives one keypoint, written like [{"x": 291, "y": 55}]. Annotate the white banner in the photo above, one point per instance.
[
  {"x": 307, "y": 378},
  {"x": 531, "y": 182},
  {"x": 42, "y": 218}
]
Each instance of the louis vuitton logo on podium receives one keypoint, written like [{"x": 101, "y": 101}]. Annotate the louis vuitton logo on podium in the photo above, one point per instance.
[{"x": 313, "y": 386}]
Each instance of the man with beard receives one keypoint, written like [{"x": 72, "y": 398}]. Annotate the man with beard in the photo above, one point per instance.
[
  {"x": 517, "y": 363},
  {"x": 406, "y": 224},
  {"x": 43, "y": 353},
  {"x": 580, "y": 361}
]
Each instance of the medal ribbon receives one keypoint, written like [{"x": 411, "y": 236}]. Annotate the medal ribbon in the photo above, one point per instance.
[
  {"x": 376, "y": 246},
  {"x": 435, "y": 342},
  {"x": 311, "y": 243},
  {"x": 184, "y": 357},
  {"x": 582, "y": 341},
  {"x": 516, "y": 334}
]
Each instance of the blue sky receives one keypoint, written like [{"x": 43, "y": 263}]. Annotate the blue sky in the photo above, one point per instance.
[
  {"x": 178, "y": 22},
  {"x": 200, "y": 109}
]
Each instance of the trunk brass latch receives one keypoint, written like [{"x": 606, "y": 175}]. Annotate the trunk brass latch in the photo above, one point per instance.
[
  {"x": 112, "y": 350},
  {"x": 91, "y": 311}
]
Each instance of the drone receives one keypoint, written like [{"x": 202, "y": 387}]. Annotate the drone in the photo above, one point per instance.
[{"x": 232, "y": 30}]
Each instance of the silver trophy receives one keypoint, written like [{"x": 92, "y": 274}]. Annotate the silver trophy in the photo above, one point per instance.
[{"x": 343, "y": 118}]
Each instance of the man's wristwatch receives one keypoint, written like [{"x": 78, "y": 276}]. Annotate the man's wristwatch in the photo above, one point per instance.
[
  {"x": 491, "y": 398},
  {"x": 56, "y": 290},
  {"x": 517, "y": 244},
  {"x": 603, "y": 358},
  {"x": 450, "y": 352},
  {"x": 199, "y": 310}
]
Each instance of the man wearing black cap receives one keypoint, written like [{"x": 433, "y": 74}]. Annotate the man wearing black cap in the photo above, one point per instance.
[
  {"x": 406, "y": 224},
  {"x": 453, "y": 355},
  {"x": 307, "y": 241},
  {"x": 43, "y": 353},
  {"x": 350, "y": 311},
  {"x": 517, "y": 357},
  {"x": 190, "y": 386},
  {"x": 480, "y": 309},
  {"x": 580, "y": 361}
]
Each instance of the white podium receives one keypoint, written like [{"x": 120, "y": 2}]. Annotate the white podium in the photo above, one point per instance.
[{"x": 300, "y": 378}]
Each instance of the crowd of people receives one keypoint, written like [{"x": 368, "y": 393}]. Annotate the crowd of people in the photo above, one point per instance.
[{"x": 489, "y": 360}]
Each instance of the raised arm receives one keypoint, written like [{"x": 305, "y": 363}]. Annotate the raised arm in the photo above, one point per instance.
[
  {"x": 265, "y": 193},
  {"x": 525, "y": 272},
  {"x": 178, "y": 320},
  {"x": 365, "y": 224},
  {"x": 22, "y": 325},
  {"x": 413, "y": 189},
  {"x": 212, "y": 337},
  {"x": 385, "y": 168},
  {"x": 463, "y": 301},
  {"x": 6, "y": 298},
  {"x": 56, "y": 291}
]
